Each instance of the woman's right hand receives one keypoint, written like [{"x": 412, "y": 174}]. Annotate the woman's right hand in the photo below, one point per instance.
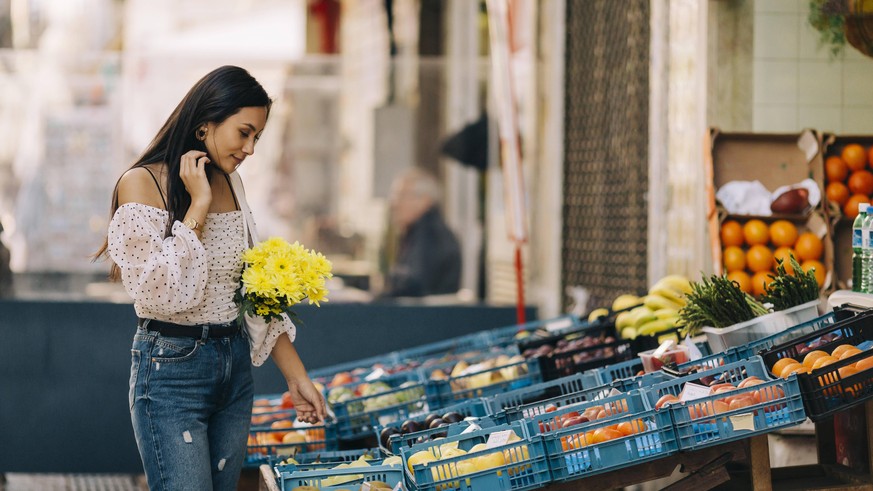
[{"x": 192, "y": 171}]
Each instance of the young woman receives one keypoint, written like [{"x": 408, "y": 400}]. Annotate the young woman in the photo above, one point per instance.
[{"x": 176, "y": 237}]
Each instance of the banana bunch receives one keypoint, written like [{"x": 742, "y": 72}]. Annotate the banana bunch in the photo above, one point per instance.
[{"x": 659, "y": 311}]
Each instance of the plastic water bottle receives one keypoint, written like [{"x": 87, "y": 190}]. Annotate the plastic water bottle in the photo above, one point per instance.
[
  {"x": 857, "y": 244},
  {"x": 867, "y": 252}
]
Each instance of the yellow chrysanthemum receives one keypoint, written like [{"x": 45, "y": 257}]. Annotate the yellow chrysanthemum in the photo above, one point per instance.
[{"x": 279, "y": 275}]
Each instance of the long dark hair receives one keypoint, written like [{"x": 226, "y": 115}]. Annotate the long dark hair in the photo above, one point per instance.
[{"x": 214, "y": 98}]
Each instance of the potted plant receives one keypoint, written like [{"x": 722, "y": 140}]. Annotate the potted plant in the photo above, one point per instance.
[{"x": 839, "y": 21}]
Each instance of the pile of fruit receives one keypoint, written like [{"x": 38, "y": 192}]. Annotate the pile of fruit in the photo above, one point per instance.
[
  {"x": 849, "y": 181},
  {"x": 431, "y": 421},
  {"x": 360, "y": 399},
  {"x": 490, "y": 371},
  {"x": 729, "y": 402},
  {"x": 656, "y": 313},
  {"x": 575, "y": 343},
  {"x": 750, "y": 251},
  {"x": 481, "y": 457},
  {"x": 360, "y": 463},
  {"x": 286, "y": 437},
  {"x": 815, "y": 359}
]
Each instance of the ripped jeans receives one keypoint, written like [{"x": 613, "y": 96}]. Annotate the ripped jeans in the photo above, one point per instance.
[{"x": 191, "y": 407}]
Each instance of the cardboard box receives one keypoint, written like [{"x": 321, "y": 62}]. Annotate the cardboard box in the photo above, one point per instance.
[
  {"x": 840, "y": 225},
  {"x": 775, "y": 160}
]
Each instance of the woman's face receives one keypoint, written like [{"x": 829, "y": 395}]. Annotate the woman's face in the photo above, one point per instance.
[{"x": 230, "y": 142}]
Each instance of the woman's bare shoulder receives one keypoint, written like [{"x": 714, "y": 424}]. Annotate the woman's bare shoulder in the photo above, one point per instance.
[{"x": 137, "y": 186}]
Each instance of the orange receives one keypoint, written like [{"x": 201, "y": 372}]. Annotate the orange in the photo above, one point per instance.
[
  {"x": 759, "y": 258},
  {"x": 838, "y": 193},
  {"x": 824, "y": 361},
  {"x": 820, "y": 272},
  {"x": 631, "y": 427},
  {"x": 743, "y": 279},
  {"x": 606, "y": 434},
  {"x": 784, "y": 233},
  {"x": 870, "y": 156},
  {"x": 781, "y": 364},
  {"x": 808, "y": 246},
  {"x": 850, "y": 209},
  {"x": 732, "y": 233},
  {"x": 760, "y": 281},
  {"x": 812, "y": 356},
  {"x": 854, "y": 156},
  {"x": 756, "y": 232},
  {"x": 792, "y": 368},
  {"x": 734, "y": 259},
  {"x": 839, "y": 350},
  {"x": 784, "y": 253},
  {"x": 852, "y": 351},
  {"x": 847, "y": 372},
  {"x": 865, "y": 364},
  {"x": 861, "y": 182},
  {"x": 836, "y": 169}
]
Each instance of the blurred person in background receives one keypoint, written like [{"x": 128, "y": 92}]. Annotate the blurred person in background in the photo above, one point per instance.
[
  {"x": 180, "y": 225},
  {"x": 427, "y": 257},
  {"x": 5, "y": 271}
]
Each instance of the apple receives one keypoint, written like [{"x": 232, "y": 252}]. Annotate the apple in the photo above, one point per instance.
[
  {"x": 490, "y": 461},
  {"x": 666, "y": 399}
]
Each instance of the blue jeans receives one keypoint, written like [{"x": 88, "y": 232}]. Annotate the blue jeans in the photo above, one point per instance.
[{"x": 191, "y": 407}]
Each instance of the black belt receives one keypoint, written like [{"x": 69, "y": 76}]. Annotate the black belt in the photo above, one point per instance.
[{"x": 181, "y": 331}]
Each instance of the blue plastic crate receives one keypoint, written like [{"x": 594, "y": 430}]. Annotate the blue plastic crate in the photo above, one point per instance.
[
  {"x": 442, "y": 393},
  {"x": 360, "y": 416},
  {"x": 474, "y": 408},
  {"x": 501, "y": 404},
  {"x": 640, "y": 434},
  {"x": 265, "y": 444},
  {"x": 527, "y": 411},
  {"x": 555, "y": 325},
  {"x": 755, "y": 347},
  {"x": 520, "y": 465},
  {"x": 623, "y": 376},
  {"x": 325, "y": 374},
  {"x": 315, "y": 477},
  {"x": 700, "y": 424},
  {"x": 398, "y": 442}
]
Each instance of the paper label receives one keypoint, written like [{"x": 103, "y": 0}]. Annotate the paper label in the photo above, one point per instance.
[
  {"x": 692, "y": 391},
  {"x": 558, "y": 324},
  {"x": 745, "y": 421},
  {"x": 498, "y": 439},
  {"x": 667, "y": 344},
  {"x": 471, "y": 428},
  {"x": 375, "y": 375},
  {"x": 808, "y": 144},
  {"x": 693, "y": 351},
  {"x": 615, "y": 392}
]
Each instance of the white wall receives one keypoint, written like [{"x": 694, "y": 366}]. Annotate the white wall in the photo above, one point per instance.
[{"x": 797, "y": 84}]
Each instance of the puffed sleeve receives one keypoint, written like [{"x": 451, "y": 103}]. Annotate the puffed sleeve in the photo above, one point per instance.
[
  {"x": 263, "y": 335},
  {"x": 164, "y": 275}
]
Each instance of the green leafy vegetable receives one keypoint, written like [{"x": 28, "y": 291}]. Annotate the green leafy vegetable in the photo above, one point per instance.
[
  {"x": 717, "y": 302},
  {"x": 790, "y": 290}
]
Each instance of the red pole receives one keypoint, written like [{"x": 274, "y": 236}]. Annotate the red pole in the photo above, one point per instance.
[{"x": 519, "y": 282}]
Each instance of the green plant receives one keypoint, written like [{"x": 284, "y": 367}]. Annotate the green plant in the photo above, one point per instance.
[
  {"x": 828, "y": 17},
  {"x": 790, "y": 290},
  {"x": 717, "y": 302}
]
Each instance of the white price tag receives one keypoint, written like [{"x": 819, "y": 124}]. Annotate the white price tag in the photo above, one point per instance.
[
  {"x": 498, "y": 439},
  {"x": 615, "y": 392},
  {"x": 473, "y": 427},
  {"x": 691, "y": 392},
  {"x": 808, "y": 143},
  {"x": 375, "y": 375},
  {"x": 745, "y": 421},
  {"x": 558, "y": 324}
]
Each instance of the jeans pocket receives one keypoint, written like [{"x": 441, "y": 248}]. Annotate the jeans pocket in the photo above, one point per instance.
[
  {"x": 135, "y": 357},
  {"x": 174, "y": 350}
]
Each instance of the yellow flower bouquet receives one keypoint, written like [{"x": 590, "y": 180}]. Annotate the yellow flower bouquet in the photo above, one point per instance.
[{"x": 278, "y": 275}]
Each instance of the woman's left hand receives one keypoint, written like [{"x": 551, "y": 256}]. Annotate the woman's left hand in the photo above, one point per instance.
[{"x": 307, "y": 400}]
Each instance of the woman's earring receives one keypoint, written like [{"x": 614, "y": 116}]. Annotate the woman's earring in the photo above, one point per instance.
[{"x": 201, "y": 134}]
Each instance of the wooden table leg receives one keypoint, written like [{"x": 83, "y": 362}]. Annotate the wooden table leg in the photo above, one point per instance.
[{"x": 759, "y": 460}]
